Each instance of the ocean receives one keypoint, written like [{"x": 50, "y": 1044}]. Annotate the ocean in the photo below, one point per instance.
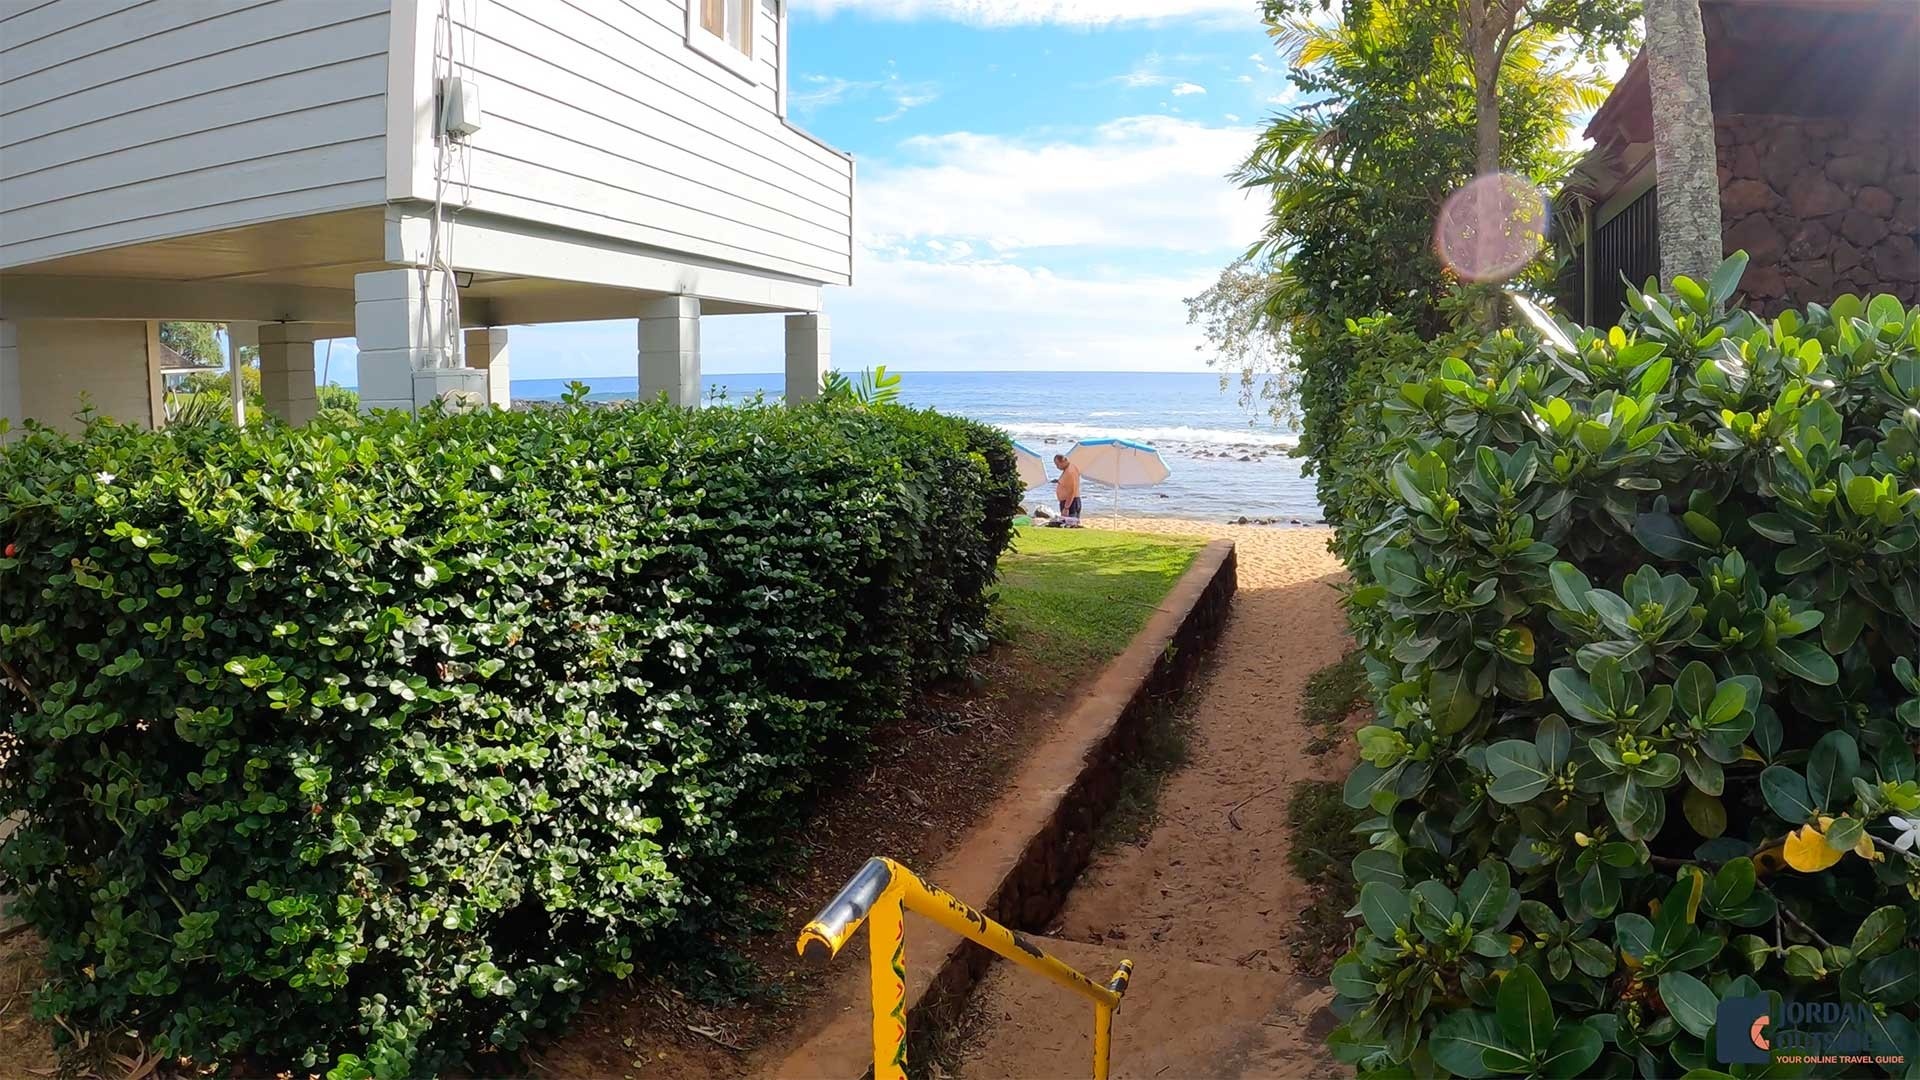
[{"x": 1225, "y": 463}]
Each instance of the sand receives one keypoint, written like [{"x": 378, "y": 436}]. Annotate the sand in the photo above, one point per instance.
[{"x": 1206, "y": 905}]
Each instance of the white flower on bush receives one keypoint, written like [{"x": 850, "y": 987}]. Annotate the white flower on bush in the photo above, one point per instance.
[
  {"x": 1909, "y": 832},
  {"x": 104, "y": 477}
]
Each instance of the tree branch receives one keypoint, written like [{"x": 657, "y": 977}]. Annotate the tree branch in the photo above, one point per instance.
[
  {"x": 1887, "y": 845},
  {"x": 1787, "y": 914},
  {"x": 1670, "y": 861}
]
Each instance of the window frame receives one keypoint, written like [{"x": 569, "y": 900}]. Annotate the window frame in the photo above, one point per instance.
[{"x": 717, "y": 48}]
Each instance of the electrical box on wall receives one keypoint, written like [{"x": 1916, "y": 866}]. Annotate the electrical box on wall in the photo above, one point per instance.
[{"x": 459, "y": 107}]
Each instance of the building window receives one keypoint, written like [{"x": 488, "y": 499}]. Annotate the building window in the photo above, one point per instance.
[{"x": 722, "y": 30}]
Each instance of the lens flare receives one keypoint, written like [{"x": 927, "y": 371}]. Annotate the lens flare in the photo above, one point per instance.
[
  {"x": 1550, "y": 332},
  {"x": 1491, "y": 228}
]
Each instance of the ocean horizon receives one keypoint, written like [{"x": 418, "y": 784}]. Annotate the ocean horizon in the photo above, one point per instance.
[{"x": 1226, "y": 461}]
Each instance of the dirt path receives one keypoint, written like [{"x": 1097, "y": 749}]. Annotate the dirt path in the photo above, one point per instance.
[{"x": 1205, "y": 908}]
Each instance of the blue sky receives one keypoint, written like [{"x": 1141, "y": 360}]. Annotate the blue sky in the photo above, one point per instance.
[{"x": 1040, "y": 184}]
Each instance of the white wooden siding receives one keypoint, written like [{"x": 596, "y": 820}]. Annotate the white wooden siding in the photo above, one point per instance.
[
  {"x": 131, "y": 120},
  {"x": 599, "y": 117}
]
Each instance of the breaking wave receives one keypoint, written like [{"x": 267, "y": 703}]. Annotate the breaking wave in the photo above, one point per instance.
[{"x": 1178, "y": 435}]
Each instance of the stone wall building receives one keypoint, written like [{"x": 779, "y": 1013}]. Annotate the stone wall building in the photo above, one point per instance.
[{"x": 1817, "y": 123}]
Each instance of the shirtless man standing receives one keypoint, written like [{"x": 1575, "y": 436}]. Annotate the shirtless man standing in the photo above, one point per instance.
[{"x": 1067, "y": 488}]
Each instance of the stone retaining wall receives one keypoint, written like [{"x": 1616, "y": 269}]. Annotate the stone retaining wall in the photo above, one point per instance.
[
  {"x": 1018, "y": 865},
  {"x": 1823, "y": 206}
]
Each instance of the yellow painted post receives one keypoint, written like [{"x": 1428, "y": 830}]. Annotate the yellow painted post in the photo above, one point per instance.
[
  {"x": 954, "y": 914},
  {"x": 1102, "y": 1038},
  {"x": 887, "y": 972},
  {"x": 881, "y": 894}
]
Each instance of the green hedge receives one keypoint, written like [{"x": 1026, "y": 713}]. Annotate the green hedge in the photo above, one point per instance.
[
  {"x": 1641, "y": 611},
  {"x": 366, "y": 747}
]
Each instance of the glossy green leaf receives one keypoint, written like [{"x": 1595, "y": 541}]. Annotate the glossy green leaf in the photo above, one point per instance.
[
  {"x": 1693, "y": 691},
  {"x": 1705, "y": 813},
  {"x": 1731, "y": 884},
  {"x": 1385, "y": 909},
  {"x": 1396, "y": 569},
  {"x": 1787, "y": 794},
  {"x": 1689, "y": 1002},
  {"x": 1525, "y": 1012},
  {"x": 1381, "y": 866},
  {"x": 1451, "y": 700},
  {"x": 1880, "y": 932},
  {"x": 1461, "y": 1040},
  {"x": 1484, "y": 895},
  {"x": 1892, "y": 979},
  {"x": 1519, "y": 774},
  {"x": 1726, "y": 278},
  {"x": 1831, "y": 767},
  {"x": 1572, "y": 1051}
]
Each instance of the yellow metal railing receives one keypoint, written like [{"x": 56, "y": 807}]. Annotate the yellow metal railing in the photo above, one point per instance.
[{"x": 881, "y": 894}]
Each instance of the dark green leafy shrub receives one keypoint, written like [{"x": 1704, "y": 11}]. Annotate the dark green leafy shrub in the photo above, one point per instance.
[
  {"x": 1640, "y": 609},
  {"x": 366, "y": 746}
]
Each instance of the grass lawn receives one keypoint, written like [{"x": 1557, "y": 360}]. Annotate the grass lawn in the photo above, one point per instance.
[{"x": 1077, "y": 596}]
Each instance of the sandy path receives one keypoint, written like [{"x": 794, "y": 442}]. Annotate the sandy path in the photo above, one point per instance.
[{"x": 1199, "y": 889}]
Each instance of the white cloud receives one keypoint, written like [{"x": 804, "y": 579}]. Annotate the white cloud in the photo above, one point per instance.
[
  {"x": 1068, "y": 251},
  {"x": 912, "y": 313},
  {"x": 906, "y": 98},
  {"x": 1243, "y": 79},
  {"x": 1026, "y": 12},
  {"x": 1151, "y": 182},
  {"x": 817, "y": 92},
  {"x": 1151, "y": 70},
  {"x": 1185, "y": 88}
]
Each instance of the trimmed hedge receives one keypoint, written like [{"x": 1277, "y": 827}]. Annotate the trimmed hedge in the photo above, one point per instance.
[
  {"x": 366, "y": 746},
  {"x": 1641, "y": 609}
]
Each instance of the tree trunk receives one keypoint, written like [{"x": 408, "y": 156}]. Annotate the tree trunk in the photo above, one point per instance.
[
  {"x": 1482, "y": 40},
  {"x": 1486, "y": 118},
  {"x": 1684, "y": 164}
]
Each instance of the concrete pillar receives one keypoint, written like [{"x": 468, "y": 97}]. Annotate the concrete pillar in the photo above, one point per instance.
[
  {"x": 487, "y": 350},
  {"x": 670, "y": 349},
  {"x": 156, "y": 382},
  {"x": 286, "y": 371},
  {"x": 409, "y": 349},
  {"x": 240, "y": 335},
  {"x": 12, "y": 410},
  {"x": 808, "y": 356}
]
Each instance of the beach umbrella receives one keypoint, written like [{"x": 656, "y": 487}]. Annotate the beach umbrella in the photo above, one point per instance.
[
  {"x": 1033, "y": 472},
  {"x": 1118, "y": 463}
]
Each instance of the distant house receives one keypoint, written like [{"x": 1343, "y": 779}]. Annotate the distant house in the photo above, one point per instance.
[
  {"x": 400, "y": 172},
  {"x": 1816, "y": 109}
]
